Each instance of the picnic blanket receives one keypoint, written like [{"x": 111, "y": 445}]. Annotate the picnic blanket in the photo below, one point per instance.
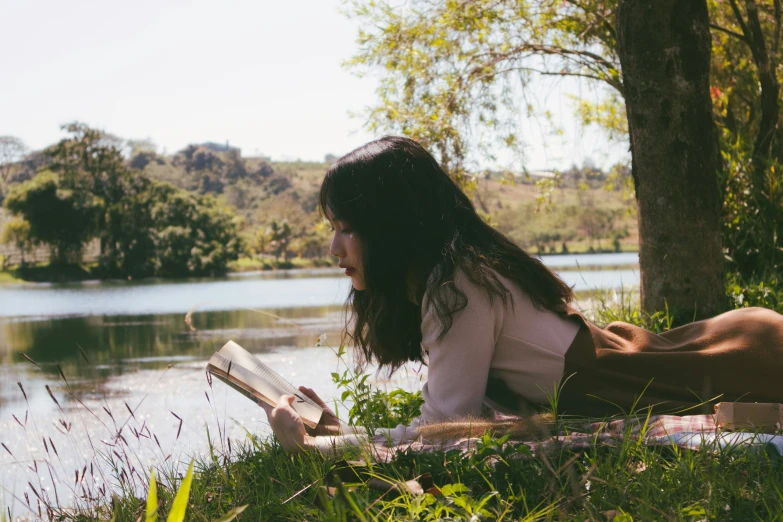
[{"x": 691, "y": 432}]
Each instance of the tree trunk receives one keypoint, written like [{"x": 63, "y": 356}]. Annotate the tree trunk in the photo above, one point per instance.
[{"x": 664, "y": 50}]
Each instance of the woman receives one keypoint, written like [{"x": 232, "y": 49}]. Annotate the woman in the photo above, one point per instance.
[{"x": 432, "y": 282}]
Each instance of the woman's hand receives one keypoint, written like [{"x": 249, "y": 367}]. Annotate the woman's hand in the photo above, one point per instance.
[
  {"x": 287, "y": 425},
  {"x": 328, "y": 425}
]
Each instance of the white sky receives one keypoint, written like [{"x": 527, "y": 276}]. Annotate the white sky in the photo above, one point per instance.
[{"x": 264, "y": 75}]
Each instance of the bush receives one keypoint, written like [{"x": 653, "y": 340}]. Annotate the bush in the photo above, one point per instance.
[
  {"x": 767, "y": 294},
  {"x": 372, "y": 408}
]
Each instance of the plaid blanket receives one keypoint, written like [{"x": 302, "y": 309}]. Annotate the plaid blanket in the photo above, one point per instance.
[{"x": 692, "y": 432}]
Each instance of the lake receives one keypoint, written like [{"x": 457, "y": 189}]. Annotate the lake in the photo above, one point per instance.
[{"x": 125, "y": 346}]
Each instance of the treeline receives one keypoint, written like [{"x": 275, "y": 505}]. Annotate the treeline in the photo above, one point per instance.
[
  {"x": 277, "y": 203},
  {"x": 199, "y": 210},
  {"x": 83, "y": 189},
  {"x": 189, "y": 213}
]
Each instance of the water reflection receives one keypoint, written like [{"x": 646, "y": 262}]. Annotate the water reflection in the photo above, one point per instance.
[{"x": 117, "y": 344}]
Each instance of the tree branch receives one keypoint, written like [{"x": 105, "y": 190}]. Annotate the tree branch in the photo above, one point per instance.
[
  {"x": 617, "y": 85},
  {"x": 740, "y": 20},
  {"x": 729, "y": 32},
  {"x": 758, "y": 45},
  {"x": 590, "y": 57},
  {"x": 603, "y": 17},
  {"x": 776, "y": 39}
]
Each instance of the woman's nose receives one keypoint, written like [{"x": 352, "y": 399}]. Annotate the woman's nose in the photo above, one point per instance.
[{"x": 335, "y": 248}]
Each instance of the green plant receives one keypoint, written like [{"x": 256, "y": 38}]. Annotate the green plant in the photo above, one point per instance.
[
  {"x": 180, "y": 504},
  {"x": 372, "y": 408},
  {"x": 625, "y": 307},
  {"x": 765, "y": 293}
]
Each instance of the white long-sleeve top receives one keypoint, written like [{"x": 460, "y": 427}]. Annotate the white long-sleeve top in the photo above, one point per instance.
[{"x": 513, "y": 341}]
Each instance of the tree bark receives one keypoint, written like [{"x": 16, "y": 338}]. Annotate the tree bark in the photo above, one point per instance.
[{"x": 664, "y": 50}]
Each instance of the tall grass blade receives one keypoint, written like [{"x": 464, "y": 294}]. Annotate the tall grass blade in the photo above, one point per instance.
[
  {"x": 180, "y": 504},
  {"x": 152, "y": 500}
]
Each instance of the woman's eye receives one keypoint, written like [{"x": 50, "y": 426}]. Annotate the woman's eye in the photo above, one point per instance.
[{"x": 347, "y": 231}]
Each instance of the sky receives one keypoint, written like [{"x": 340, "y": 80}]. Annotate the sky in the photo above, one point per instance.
[{"x": 265, "y": 76}]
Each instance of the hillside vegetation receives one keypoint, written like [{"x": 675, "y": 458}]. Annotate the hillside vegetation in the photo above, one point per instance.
[
  {"x": 580, "y": 208},
  {"x": 274, "y": 204}
]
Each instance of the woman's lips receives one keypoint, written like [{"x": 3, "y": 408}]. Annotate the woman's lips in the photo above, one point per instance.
[{"x": 350, "y": 271}]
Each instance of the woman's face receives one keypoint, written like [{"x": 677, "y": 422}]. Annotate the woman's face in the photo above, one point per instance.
[{"x": 348, "y": 249}]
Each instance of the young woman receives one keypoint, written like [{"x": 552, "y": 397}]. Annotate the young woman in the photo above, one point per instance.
[{"x": 432, "y": 282}]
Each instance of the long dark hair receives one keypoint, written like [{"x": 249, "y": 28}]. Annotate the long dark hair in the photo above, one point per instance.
[{"x": 416, "y": 228}]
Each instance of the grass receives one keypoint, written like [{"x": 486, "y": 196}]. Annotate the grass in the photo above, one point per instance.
[
  {"x": 9, "y": 277},
  {"x": 252, "y": 264},
  {"x": 583, "y": 246},
  {"x": 44, "y": 272},
  {"x": 499, "y": 480}
]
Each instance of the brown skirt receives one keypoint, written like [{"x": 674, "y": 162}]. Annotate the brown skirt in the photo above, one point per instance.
[{"x": 734, "y": 356}]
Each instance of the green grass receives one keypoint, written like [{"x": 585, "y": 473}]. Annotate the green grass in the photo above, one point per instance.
[
  {"x": 44, "y": 272},
  {"x": 499, "y": 480},
  {"x": 8, "y": 277}
]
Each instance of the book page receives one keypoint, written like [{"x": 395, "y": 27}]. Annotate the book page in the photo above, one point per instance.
[{"x": 244, "y": 372}]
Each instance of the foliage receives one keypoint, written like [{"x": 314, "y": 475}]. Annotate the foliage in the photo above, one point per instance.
[
  {"x": 751, "y": 231},
  {"x": 767, "y": 294},
  {"x": 624, "y": 307},
  {"x": 195, "y": 235},
  {"x": 145, "y": 227},
  {"x": 151, "y": 512},
  {"x": 210, "y": 168},
  {"x": 746, "y": 60},
  {"x": 607, "y": 114},
  {"x": 277, "y": 202},
  {"x": 12, "y": 150},
  {"x": 449, "y": 70},
  {"x": 180, "y": 503},
  {"x": 161, "y": 230},
  {"x": 372, "y": 408},
  {"x": 279, "y": 235},
  {"x": 16, "y": 232},
  {"x": 570, "y": 216},
  {"x": 454, "y": 76},
  {"x": 58, "y": 215},
  {"x": 746, "y": 103},
  {"x": 740, "y": 293}
]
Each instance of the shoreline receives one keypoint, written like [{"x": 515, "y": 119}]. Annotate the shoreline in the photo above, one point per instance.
[{"x": 9, "y": 277}]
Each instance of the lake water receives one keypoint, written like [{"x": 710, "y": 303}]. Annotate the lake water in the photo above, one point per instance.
[{"x": 125, "y": 346}]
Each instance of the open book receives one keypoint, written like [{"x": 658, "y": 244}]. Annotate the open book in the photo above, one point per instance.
[{"x": 243, "y": 371}]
